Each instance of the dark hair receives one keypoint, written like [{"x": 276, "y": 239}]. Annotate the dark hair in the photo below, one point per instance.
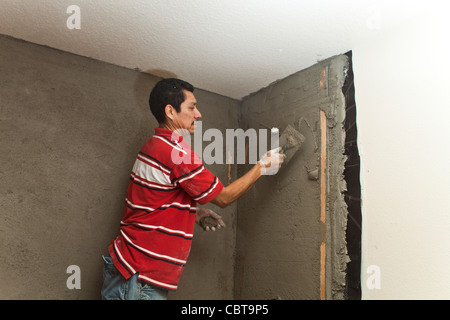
[{"x": 167, "y": 91}]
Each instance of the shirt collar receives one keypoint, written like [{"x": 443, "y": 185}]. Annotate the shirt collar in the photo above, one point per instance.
[{"x": 172, "y": 135}]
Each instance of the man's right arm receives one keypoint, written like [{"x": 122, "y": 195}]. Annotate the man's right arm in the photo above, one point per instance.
[
  {"x": 272, "y": 160},
  {"x": 236, "y": 189}
]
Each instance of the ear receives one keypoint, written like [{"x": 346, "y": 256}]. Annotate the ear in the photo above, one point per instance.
[{"x": 169, "y": 111}]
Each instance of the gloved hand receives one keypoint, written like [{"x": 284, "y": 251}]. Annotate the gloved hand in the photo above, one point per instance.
[
  {"x": 208, "y": 219},
  {"x": 271, "y": 162}
]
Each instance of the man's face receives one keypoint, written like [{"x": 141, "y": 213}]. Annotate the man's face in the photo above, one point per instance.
[{"x": 188, "y": 116}]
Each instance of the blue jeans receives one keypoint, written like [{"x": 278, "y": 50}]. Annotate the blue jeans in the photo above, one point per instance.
[{"x": 116, "y": 287}]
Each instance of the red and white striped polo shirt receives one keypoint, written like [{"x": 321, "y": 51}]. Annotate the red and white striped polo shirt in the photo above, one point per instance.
[{"x": 157, "y": 227}]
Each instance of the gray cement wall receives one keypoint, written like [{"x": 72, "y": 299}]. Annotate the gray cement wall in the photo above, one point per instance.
[
  {"x": 279, "y": 230},
  {"x": 70, "y": 130}
]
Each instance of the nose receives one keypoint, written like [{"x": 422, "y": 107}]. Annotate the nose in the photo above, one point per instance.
[{"x": 197, "y": 114}]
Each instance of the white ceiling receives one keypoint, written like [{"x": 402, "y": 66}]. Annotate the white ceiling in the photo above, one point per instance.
[{"x": 231, "y": 47}]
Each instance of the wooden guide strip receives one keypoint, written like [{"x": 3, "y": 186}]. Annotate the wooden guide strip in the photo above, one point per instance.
[{"x": 323, "y": 199}]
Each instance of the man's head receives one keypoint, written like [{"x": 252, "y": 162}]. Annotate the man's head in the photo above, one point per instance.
[{"x": 173, "y": 104}]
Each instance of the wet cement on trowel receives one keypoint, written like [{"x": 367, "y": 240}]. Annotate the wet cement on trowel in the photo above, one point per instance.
[
  {"x": 290, "y": 142},
  {"x": 279, "y": 230}
]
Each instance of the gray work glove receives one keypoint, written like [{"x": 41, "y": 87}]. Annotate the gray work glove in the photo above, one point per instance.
[{"x": 208, "y": 219}]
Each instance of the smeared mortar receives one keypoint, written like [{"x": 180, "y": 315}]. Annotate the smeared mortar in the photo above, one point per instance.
[{"x": 290, "y": 142}]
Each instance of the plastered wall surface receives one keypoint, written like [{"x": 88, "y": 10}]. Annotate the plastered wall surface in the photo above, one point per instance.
[
  {"x": 70, "y": 130},
  {"x": 279, "y": 230}
]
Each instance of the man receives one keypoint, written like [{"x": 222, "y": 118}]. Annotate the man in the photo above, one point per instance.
[{"x": 147, "y": 258}]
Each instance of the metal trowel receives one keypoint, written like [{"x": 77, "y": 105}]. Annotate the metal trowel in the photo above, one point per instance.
[{"x": 290, "y": 142}]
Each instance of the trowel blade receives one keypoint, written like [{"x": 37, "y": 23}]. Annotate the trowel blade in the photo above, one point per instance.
[{"x": 290, "y": 141}]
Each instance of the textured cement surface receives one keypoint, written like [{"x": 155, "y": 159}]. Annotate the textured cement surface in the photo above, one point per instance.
[
  {"x": 279, "y": 232},
  {"x": 70, "y": 130}
]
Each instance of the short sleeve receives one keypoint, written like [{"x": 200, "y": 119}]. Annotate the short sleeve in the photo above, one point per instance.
[{"x": 197, "y": 181}]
